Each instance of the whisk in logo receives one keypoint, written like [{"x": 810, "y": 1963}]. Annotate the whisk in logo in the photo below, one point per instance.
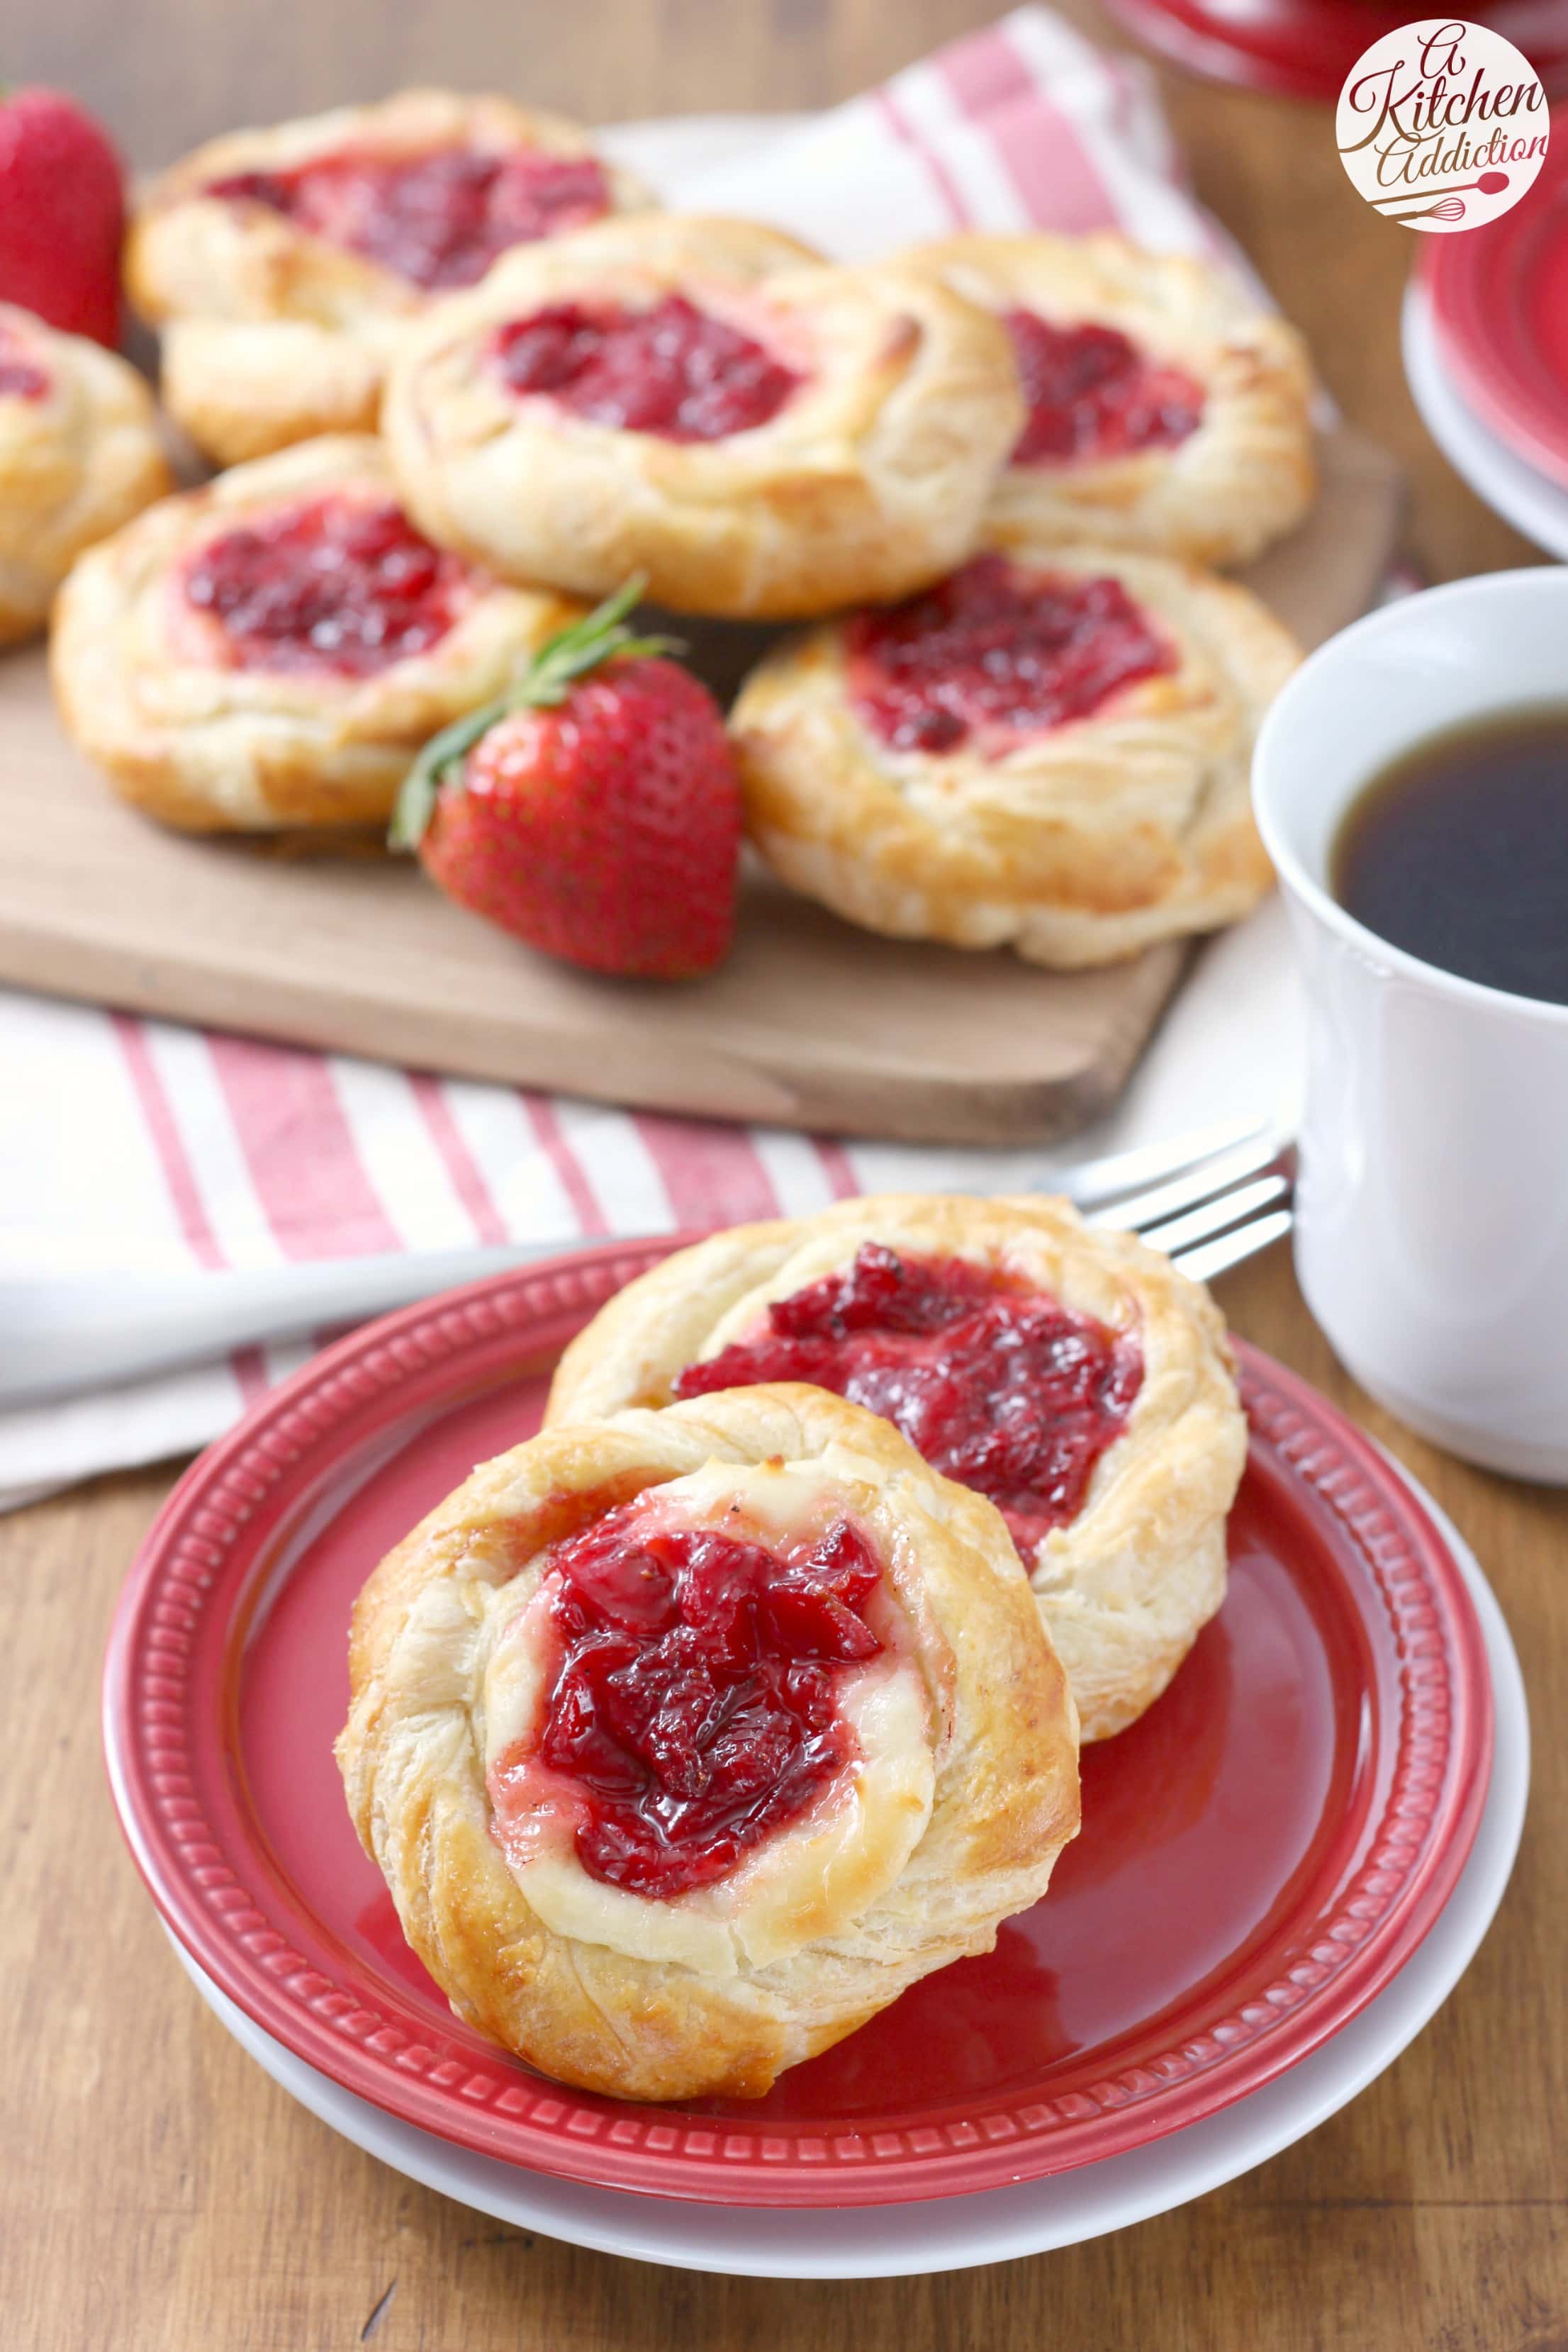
[{"x": 1443, "y": 124}]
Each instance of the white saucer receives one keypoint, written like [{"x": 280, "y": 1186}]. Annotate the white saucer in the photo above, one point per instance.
[
  {"x": 957, "y": 2232},
  {"x": 1511, "y": 487}
]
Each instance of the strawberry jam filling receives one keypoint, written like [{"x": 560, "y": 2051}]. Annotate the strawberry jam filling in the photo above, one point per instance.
[
  {"x": 999, "y": 1387},
  {"x": 672, "y": 370},
  {"x": 21, "y": 377},
  {"x": 996, "y": 653},
  {"x": 1092, "y": 395},
  {"x": 436, "y": 219},
  {"x": 339, "y": 585},
  {"x": 693, "y": 1707}
]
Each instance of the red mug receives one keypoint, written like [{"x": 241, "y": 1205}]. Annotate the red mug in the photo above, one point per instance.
[{"x": 1305, "y": 48}]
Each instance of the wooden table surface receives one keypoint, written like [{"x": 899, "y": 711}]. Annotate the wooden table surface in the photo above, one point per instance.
[{"x": 160, "y": 2193}]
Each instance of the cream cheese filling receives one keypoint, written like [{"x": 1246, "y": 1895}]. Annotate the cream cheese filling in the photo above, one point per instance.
[{"x": 809, "y": 1881}]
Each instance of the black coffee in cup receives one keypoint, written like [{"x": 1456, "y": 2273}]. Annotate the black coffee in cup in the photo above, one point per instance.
[{"x": 1457, "y": 852}]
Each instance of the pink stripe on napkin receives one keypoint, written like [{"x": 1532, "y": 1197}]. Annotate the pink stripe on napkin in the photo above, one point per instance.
[
  {"x": 1057, "y": 181},
  {"x": 300, "y": 1151},
  {"x": 468, "y": 1178},
  {"x": 936, "y": 169},
  {"x": 712, "y": 1173},
  {"x": 592, "y": 1222},
  {"x": 164, "y": 1132}
]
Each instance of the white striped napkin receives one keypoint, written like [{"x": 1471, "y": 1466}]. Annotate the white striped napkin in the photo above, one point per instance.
[{"x": 128, "y": 1142}]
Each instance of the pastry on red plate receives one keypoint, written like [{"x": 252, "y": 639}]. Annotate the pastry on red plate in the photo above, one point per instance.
[
  {"x": 282, "y": 261},
  {"x": 686, "y": 1741},
  {"x": 273, "y": 651},
  {"x": 1072, "y": 1376},
  {"x": 1050, "y": 750},
  {"x": 80, "y": 454},
  {"x": 704, "y": 401},
  {"x": 1166, "y": 409}
]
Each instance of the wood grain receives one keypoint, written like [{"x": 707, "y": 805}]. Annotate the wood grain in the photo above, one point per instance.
[
  {"x": 162, "y": 2194},
  {"x": 810, "y": 1023}
]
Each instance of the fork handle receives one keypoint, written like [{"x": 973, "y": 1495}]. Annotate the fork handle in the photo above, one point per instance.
[{"x": 60, "y": 1335}]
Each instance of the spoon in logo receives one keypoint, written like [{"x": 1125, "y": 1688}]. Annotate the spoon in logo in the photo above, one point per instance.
[{"x": 1491, "y": 184}]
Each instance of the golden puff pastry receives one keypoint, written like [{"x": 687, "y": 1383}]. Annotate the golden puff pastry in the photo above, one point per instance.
[
  {"x": 79, "y": 454},
  {"x": 282, "y": 262},
  {"x": 1071, "y": 1375},
  {"x": 1166, "y": 411},
  {"x": 1048, "y": 751},
  {"x": 687, "y": 1739},
  {"x": 271, "y": 651},
  {"x": 701, "y": 401}
]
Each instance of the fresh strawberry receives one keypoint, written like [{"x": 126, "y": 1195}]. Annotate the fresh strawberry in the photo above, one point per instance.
[
  {"x": 62, "y": 214},
  {"x": 594, "y": 811}
]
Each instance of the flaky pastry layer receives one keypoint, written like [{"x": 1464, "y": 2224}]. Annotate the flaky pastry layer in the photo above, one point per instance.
[
  {"x": 273, "y": 335},
  {"x": 76, "y": 462},
  {"x": 644, "y": 2000},
  {"x": 1242, "y": 478},
  {"x": 868, "y": 482},
  {"x": 144, "y": 690},
  {"x": 1126, "y": 1587},
  {"x": 1087, "y": 842}
]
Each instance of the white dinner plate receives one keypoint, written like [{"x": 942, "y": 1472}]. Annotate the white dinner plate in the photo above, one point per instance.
[
  {"x": 1511, "y": 486},
  {"x": 958, "y": 2233}
]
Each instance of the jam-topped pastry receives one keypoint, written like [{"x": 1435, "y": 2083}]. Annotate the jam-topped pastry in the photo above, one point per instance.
[
  {"x": 273, "y": 650},
  {"x": 1048, "y": 750},
  {"x": 1166, "y": 411},
  {"x": 998, "y": 1385},
  {"x": 339, "y": 583},
  {"x": 995, "y": 652},
  {"x": 80, "y": 454},
  {"x": 687, "y": 1739},
  {"x": 282, "y": 263},
  {"x": 669, "y": 369},
  {"x": 1093, "y": 395},
  {"x": 438, "y": 218},
  {"x": 1071, "y": 1376},
  {"x": 706, "y": 403},
  {"x": 694, "y": 1694}
]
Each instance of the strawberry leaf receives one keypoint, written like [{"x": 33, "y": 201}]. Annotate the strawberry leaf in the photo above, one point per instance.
[
  {"x": 443, "y": 753},
  {"x": 583, "y": 647}
]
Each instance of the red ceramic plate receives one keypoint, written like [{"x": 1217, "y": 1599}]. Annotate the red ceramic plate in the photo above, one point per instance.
[
  {"x": 1259, "y": 1854},
  {"x": 1305, "y": 48},
  {"x": 1500, "y": 301}
]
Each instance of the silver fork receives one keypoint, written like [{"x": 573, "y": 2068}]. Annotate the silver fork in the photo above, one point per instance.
[
  {"x": 1208, "y": 1200},
  {"x": 1219, "y": 1209}
]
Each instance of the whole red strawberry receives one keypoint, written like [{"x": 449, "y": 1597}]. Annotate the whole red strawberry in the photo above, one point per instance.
[
  {"x": 594, "y": 811},
  {"x": 62, "y": 214}
]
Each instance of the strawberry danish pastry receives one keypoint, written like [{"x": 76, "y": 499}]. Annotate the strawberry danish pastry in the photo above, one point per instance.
[
  {"x": 686, "y": 1741},
  {"x": 282, "y": 262},
  {"x": 1071, "y": 1376},
  {"x": 272, "y": 651},
  {"x": 1166, "y": 411},
  {"x": 703, "y": 402},
  {"x": 79, "y": 454},
  {"x": 1048, "y": 750}
]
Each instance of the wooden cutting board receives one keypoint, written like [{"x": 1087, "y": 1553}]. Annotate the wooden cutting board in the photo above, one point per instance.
[{"x": 811, "y": 1024}]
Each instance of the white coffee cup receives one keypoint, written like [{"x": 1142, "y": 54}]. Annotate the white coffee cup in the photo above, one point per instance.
[{"x": 1432, "y": 1212}]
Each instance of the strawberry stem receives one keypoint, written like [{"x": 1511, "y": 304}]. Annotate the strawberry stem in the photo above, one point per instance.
[{"x": 599, "y": 637}]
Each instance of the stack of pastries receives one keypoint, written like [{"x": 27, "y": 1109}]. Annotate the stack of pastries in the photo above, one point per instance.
[
  {"x": 465, "y": 373},
  {"x": 691, "y": 1733}
]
